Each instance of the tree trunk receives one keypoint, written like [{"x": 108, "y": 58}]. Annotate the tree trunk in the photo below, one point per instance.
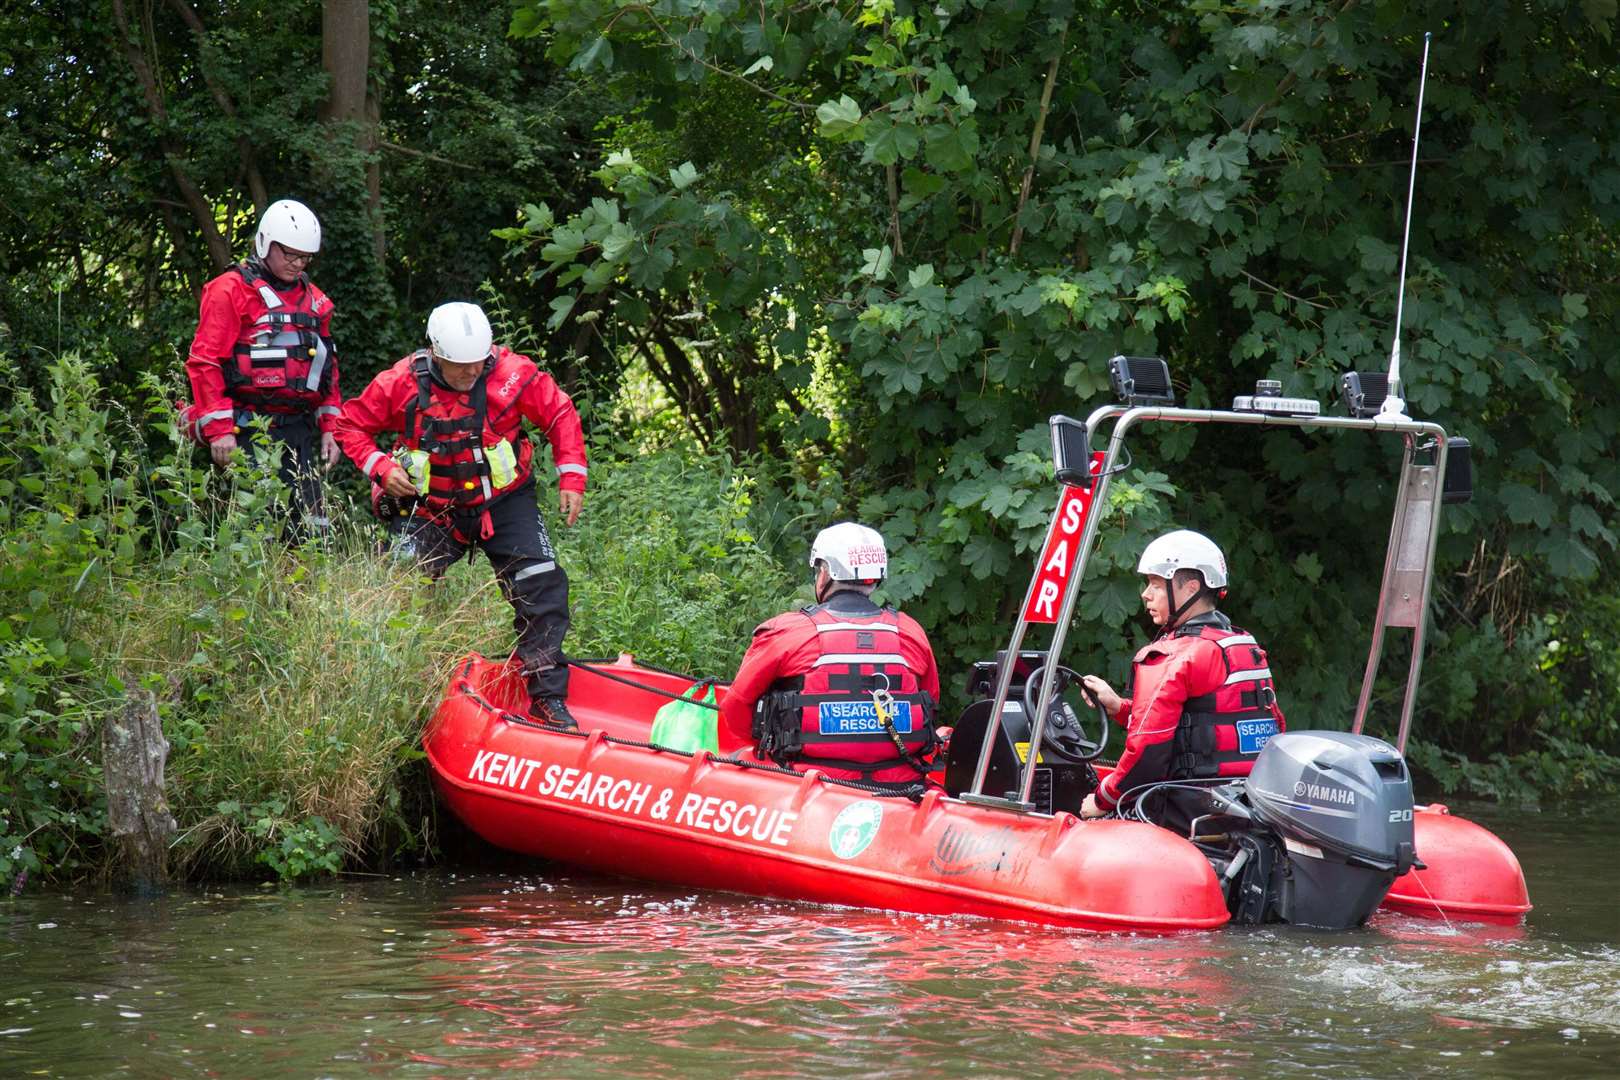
[
  {"x": 133, "y": 752},
  {"x": 346, "y": 56}
]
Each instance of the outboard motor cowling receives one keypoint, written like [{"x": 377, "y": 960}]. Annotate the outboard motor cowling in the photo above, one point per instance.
[{"x": 1342, "y": 805}]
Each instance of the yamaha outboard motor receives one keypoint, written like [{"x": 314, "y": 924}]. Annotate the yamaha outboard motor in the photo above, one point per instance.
[{"x": 1342, "y": 806}]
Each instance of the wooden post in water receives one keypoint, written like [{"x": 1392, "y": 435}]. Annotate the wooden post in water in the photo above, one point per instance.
[{"x": 133, "y": 751}]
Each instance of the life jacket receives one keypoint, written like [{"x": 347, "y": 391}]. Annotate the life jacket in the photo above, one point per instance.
[
  {"x": 828, "y": 715},
  {"x": 458, "y": 434},
  {"x": 1221, "y": 732},
  {"x": 282, "y": 364}
]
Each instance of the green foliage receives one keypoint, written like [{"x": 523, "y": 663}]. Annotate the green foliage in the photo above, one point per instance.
[
  {"x": 293, "y": 850},
  {"x": 292, "y": 684},
  {"x": 67, "y": 521},
  {"x": 1561, "y": 766},
  {"x": 665, "y": 563},
  {"x": 974, "y": 206}
]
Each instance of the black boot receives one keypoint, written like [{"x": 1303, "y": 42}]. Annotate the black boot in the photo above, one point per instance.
[{"x": 553, "y": 711}]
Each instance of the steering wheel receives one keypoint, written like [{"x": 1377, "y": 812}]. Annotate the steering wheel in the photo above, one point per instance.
[{"x": 1062, "y": 732}]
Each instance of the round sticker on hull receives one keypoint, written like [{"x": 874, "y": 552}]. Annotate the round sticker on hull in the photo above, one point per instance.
[{"x": 855, "y": 827}]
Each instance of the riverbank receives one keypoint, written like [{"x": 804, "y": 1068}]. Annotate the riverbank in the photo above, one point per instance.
[{"x": 292, "y": 684}]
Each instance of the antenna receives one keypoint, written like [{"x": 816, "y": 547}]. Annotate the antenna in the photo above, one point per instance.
[{"x": 1394, "y": 404}]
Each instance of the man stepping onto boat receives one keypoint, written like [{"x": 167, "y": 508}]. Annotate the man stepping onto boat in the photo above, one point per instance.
[
  {"x": 461, "y": 476},
  {"x": 842, "y": 686},
  {"x": 1202, "y": 702}
]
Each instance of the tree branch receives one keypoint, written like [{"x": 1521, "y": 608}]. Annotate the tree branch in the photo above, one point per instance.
[
  {"x": 244, "y": 149},
  {"x": 1035, "y": 143},
  {"x": 1292, "y": 77},
  {"x": 218, "y": 250},
  {"x": 435, "y": 158},
  {"x": 1268, "y": 286},
  {"x": 716, "y": 68}
]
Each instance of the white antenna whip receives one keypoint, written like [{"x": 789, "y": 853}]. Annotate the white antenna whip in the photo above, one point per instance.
[{"x": 1394, "y": 404}]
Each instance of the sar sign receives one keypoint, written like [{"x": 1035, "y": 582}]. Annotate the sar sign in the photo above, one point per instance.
[{"x": 1061, "y": 552}]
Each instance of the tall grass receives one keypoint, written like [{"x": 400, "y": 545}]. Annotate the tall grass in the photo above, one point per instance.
[{"x": 292, "y": 684}]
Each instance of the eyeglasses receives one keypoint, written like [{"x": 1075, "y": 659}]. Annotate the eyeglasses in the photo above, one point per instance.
[{"x": 296, "y": 258}]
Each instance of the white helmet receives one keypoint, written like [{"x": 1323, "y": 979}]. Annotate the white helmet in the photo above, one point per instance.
[
  {"x": 290, "y": 224},
  {"x": 459, "y": 332},
  {"x": 852, "y": 552},
  {"x": 1184, "y": 550}
]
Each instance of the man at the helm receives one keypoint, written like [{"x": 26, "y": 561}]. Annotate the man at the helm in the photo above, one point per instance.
[
  {"x": 263, "y": 347},
  {"x": 1202, "y": 702},
  {"x": 842, "y": 686}
]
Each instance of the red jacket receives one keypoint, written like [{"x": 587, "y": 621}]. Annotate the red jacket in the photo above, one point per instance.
[
  {"x": 1168, "y": 673},
  {"x": 788, "y": 646},
  {"x": 516, "y": 390},
  {"x": 226, "y": 317}
]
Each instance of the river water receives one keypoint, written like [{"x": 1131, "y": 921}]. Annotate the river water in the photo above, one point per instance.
[{"x": 552, "y": 973}]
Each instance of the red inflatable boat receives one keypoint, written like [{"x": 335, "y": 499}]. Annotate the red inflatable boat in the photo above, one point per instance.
[
  {"x": 607, "y": 800},
  {"x": 1322, "y": 831}
]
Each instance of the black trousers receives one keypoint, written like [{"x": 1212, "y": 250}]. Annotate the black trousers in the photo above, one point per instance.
[
  {"x": 300, "y": 470},
  {"x": 525, "y": 563}
]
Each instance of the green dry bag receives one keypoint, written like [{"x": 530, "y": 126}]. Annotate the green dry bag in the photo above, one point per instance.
[{"x": 685, "y": 724}]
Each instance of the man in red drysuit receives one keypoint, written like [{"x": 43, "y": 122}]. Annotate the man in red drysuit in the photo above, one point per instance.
[
  {"x": 842, "y": 686},
  {"x": 263, "y": 347},
  {"x": 1202, "y": 703},
  {"x": 461, "y": 476}
]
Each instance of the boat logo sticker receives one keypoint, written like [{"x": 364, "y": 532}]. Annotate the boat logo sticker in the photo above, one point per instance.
[{"x": 855, "y": 827}]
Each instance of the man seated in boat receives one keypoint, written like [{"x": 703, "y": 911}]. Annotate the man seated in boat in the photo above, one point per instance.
[
  {"x": 842, "y": 686},
  {"x": 1202, "y": 702}
]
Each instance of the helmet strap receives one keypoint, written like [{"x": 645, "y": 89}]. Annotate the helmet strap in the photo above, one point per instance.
[{"x": 1177, "y": 611}]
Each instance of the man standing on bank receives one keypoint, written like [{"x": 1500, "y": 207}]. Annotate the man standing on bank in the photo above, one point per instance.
[
  {"x": 462, "y": 469},
  {"x": 264, "y": 347}
]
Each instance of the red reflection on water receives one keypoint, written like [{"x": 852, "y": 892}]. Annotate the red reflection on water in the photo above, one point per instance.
[{"x": 573, "y": 974}]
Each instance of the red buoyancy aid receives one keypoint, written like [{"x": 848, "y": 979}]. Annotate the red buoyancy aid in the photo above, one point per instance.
[
  {"x": 282, "y": 364},
  {"x": 828, "y": 716},
  {"x": 456, "y": 429},
  {"x": 1222, "y": 731}
]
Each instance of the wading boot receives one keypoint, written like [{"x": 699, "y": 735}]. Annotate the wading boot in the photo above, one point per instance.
[{"x": 553, "y": 711}]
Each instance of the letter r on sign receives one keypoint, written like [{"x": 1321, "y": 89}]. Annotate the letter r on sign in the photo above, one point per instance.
[{"x": 1046, "y": 600}]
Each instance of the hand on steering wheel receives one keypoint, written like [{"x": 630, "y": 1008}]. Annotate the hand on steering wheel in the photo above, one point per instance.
[{"x": 1062, "y": 732}]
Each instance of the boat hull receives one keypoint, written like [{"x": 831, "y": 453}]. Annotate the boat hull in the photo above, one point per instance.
[
  {"x": 607, "y": 801},
  {"x": 1469, "y": 874}
]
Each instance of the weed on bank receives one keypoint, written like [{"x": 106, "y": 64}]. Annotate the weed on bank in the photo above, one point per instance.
[{"x": 292, "y": 683}]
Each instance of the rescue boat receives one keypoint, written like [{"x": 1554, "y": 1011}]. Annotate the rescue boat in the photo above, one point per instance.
[
  {"x": 606, "y": 799},
  {"x": 1322, "y": 832}
]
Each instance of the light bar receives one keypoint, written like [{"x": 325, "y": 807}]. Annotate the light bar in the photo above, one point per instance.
[{"x": 1267, "y": 398}]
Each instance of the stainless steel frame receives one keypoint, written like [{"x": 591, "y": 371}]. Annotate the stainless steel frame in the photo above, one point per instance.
[{"x": 1403, "y": 596}]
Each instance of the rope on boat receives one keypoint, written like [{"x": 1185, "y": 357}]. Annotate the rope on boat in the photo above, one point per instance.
[
  {"x": 914, "y": 791},
  {"x": 585, "y": 665}
]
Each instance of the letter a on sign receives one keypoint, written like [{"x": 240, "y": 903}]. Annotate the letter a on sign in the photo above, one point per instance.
[{"x": 1061, "y": 552}]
